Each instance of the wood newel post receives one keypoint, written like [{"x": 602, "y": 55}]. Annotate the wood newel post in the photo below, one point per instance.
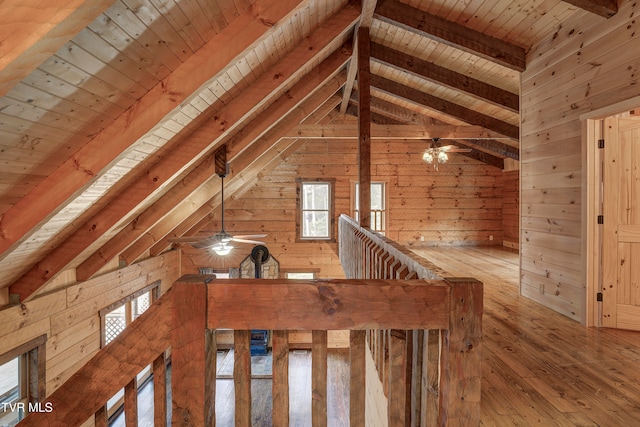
[
  {"x": 242, "y": 376},
  {"x": 280, "y": 378},
  {"x": 461, "y": 358},
  {"x": 319, "y": 379},
  {"x": 100, "y": 418},
  {"x": 188, "y": 352},
  {"x": 364, "y": 126}
]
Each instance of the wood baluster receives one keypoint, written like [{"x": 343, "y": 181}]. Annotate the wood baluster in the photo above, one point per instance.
[
  {"x": 100, "y": 418},
  {"x": 280, "y": 378},
  {"x": 417, "y": 376},
  {"x": 397, "y": 377},
  {"x": 357, "y": 379},
  {"x": 319, "y": 379},
  {"x": 431, "y": 370},
  {"x": 131, "y": 403},
  {"x": 210, "y": 369},
  {"x": 160, "y": 391},
  {"x": 242, "y": 377}
]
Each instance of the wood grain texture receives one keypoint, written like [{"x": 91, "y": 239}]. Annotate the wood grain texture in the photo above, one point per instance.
[
  {"x": 364, "y": 126},
  {"x": 319, "y": 379},
  {"x": 111, "y": 369},
  {"x": 242, "y": 377},
  {"x": 327, "y": 304},
  {"x": 357, "y": 381},
  {"x": 280, "y": 378},
  {"x": 188, "y": 352}
]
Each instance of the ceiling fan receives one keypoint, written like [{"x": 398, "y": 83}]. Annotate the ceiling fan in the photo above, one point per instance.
[
  {"x": 219, "y": 242},
  {"x": 437, "y": 155}
]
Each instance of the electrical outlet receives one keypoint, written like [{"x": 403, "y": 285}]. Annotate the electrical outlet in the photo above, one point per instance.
[{"x": 490, "y": 236}]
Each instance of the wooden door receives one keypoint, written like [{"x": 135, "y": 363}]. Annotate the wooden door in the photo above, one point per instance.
[{"x": 621, "y": 229}]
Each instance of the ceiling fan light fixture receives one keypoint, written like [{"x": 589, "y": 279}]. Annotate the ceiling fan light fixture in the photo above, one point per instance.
[
  {"x": 221, "y": 249},
  {"x": 442, "y": 157},
  {"x": 427, "y": 157}
]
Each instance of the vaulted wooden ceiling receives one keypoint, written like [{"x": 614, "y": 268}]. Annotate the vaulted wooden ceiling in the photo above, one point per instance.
[{"x": 110, "y": 111}]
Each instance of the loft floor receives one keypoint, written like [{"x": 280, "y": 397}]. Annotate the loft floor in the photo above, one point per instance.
[{"x": 540, "y": 367}]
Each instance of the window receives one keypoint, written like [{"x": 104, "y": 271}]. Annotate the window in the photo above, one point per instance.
[
  {"x": 315, "y": 210},
  {"x": 115, "y": 319},
  {"x": 22, "y": 381},
  {"x": 302, "y": 274},
  {"x": 378, "y": 206}
]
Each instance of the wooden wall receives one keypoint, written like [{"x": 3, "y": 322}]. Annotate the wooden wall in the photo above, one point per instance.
[
  {"x": 588, "y": 64},
  {"x": 69, "y": 317},
  {"x": 511, "y": 209},
  {"x": 461, "y": 204}
]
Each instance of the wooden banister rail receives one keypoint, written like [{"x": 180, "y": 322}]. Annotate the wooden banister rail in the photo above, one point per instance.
[
  {"x": 115, "y": 366},
  {"x": 202, "y": 306},
  {"x": 425, "y": 380}
]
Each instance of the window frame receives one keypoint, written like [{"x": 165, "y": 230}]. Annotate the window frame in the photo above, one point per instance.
[
  {"x": 355, "y": 205},
  {"x": 32, "y": 377},
  {"x": 142, "y": 378},
  {"x": 300, "y": 182}
]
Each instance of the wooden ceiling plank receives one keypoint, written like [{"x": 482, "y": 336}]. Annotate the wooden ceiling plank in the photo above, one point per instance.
[
  {"x": 446, "y": 107},
  {"x": 195, "y": 189},
  {"x": 390, "y": 131},
  {"x": 445, "y": 77},
  {"x": 400, "y": 114},
  {"x": 200, "y": 142},
  {"x": 451, "y": 34},
  {"x": 31, "y": 34},
  {"x": 53, "y": 193},
  {"x": 604, "y": 8},
  {"x": 492, "y": 147},
  {"x": 368, "y": 7},
  {"x": 246, "y": 169}
]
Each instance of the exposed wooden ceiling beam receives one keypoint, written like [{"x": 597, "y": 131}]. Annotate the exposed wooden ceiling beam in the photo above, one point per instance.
[
  {"x": 451, "y": 34},
  {"x": 59, "y": 187},
  {"x": 247, "y": 168},
  {"x": 31, "y": 33},
  {"x": 483, "y": 157},
  {"x": 445, "y": 77},
  {"x": 395, "y": 112},
  {"x": 350, "y": 131},
  {"x": 352, "y": 110},
  {"x": 491, "y": 146},
  {"x": 446, "y": 107},
  {"x": 191, "y": 150},
  {"x": 366, "y": 16},
  {"x": 169, "y": 211},
  {"x": 604, "y": 8}
]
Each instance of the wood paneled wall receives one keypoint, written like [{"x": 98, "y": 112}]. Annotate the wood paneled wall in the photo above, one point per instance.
[
  {"x": 585, "y": 66},
  {"x": 461, "y": 204},
  {"x": 69, "y": 317},
  {"x": 511, "y": 209}
]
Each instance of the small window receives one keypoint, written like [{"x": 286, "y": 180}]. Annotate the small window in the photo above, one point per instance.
[
  {"x": 22, "y": 381},
  {"x": 115, "y": 319},
  {"x": 300, "y": 275},
  {"x": 378, "y": 206},
  {"x": 315, "y": 210}
]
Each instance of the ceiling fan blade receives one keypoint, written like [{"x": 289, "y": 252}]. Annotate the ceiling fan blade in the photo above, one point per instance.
[
  {"x": 249, "y": 236},
  {"x": 254, "y": 242}
]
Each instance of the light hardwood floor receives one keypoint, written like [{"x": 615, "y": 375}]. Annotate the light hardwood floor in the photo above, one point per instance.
[{"x": 541, "y": 368}]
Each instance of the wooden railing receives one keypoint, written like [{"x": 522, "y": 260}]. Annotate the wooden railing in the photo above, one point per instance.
[
  {"x": 85, "y": 394},
  {"x": 422, "y": 384},
  {"x": 423, "y": 331}
]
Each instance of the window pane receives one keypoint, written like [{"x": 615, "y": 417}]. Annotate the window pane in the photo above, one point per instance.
[
  {"x": 300, "y": 276},
  {"x": 315, "y": 224},
  {"x": 315, "y": 196},
  {"x": 9, "y": 382},
  {"x": 377, "y": 202},
  {"x": 114, "y": 322},
  {"x": 141, "y": 304}
]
